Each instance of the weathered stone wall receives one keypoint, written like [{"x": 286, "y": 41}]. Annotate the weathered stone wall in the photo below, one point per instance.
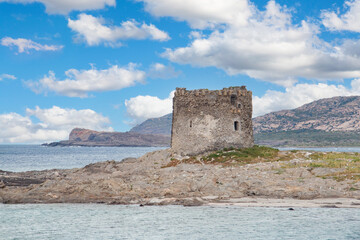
[{"x": 206, "y": 120}]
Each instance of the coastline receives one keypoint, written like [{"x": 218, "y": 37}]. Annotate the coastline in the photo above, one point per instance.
[
  {"x": 238, "y": 202},
  {"x": 287, "y": 179}
]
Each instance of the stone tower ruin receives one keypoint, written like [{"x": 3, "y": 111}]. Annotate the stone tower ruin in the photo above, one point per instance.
[{"x": 205, "y": 120}]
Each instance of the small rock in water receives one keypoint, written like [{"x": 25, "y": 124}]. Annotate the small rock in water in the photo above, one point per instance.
[
  {"x": 141, "y": 205},
  {"x": 291, "y": 209}
]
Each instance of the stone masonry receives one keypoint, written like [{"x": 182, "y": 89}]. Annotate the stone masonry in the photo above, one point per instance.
[{"x": 205, "y": 120}]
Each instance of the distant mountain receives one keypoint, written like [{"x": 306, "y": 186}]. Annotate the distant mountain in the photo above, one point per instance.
[
  {"x": 328, "y": 114},
  {"x": 86, "y": 137},
  {"x": 161, "y": 125}
]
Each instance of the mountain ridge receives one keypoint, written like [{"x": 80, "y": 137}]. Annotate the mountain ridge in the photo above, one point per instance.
[{"x": 340, "y": 114}]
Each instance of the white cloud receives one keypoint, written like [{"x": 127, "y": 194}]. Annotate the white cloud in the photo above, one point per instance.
[
  {"x": 7, "y": 76},
  {"x": 93, "y": 31},
  {"x": 25, "y": 45},
  {"x": 51, "y": 124},
  {"x": 348, "y": 21},
  {"x": 159, "y": 70},
  {"x": 300, "y": 94},
  {"x": 80, "y": 82},
  {"x": 201, "y": 13},
  {"x": 264, "y": 45},
  {"x": 141, "y": 108},
  {"x": 66, "y": 6}
]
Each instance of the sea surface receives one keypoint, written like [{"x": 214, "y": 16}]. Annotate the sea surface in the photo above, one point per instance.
[
  {"x": 19, "y": 158},
  {"x": 97, "y": 221},
  {"x": 90, "y": 221}
]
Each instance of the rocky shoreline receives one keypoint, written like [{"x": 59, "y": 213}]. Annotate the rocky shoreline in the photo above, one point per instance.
[{"x": 160, "y": 178}]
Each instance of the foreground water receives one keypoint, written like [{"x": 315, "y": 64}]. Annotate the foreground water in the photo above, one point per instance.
[
  {"x": 35, "y": 157},
  {"x": 91, "y": 221},
  {"x": 87, "y": 221}
]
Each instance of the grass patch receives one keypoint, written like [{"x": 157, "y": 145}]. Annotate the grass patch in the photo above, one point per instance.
[{"x": 242, "y": 156}]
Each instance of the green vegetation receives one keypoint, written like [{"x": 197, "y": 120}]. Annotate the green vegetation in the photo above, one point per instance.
[
  {"x": 347, "y": 164},
  {"x": 308, "y": 138},
  {"x": 242, "y": 156}
]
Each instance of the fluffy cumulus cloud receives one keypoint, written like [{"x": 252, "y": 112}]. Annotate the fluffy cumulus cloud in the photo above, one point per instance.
[
  {"x": 94, "y": 31},
  {"x": 51, "y": 124},
  {"x": 25, "y": 45},
  {"x": 350, "y": 20},
  {"x": 80, "y": 82},
  {"x": 7, "y": 76},
  {"x": 141, "y": 108},
  {"x": 201, "y": 13},
  {"x": 265, "y": 45},
  {"x": 66, "y": 6},
  {"x": 300, "y": 94}
]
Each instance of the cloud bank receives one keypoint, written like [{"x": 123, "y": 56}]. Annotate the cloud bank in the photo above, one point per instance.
[
  {"x": 93, "y": 31},
  {"x": 80, "y": 82},
  {"x": 51, "y": 124},
  {"x": 264, "y": 45}
]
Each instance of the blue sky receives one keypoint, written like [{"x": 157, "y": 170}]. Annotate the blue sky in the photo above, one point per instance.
[{"x": 108, "y": 65}]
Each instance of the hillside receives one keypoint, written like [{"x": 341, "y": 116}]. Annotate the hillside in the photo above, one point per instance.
[
  {"x": 86, "y": 137},
  {"x": 161, "y": 125},
  {"x": 332, "y": 122},
  {"x": 329, "y": 114}
]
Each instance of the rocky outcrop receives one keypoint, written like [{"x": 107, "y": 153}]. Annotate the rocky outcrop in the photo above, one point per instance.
[
  {"x": 86, "y": 137},
  {"x": 153, "y": 180}
]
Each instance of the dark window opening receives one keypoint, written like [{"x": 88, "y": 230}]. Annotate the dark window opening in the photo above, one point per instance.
[
  {"x": 239, "y": 105},
  {"x": 236, "y": 125},
  {"x": 190, "y": 123},
  {"x": 233, "y": 99}
]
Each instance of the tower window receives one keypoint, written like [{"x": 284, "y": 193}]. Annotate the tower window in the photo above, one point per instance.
[
  {"x": 233, "y": 99},
  {"x": 190, "y": 123},
  {"x": 236, "y": 125}
]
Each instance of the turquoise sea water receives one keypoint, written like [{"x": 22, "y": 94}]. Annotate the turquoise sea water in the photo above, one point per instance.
[{"x": 96, "y": 221}]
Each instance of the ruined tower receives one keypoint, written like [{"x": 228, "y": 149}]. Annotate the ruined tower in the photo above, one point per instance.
[{"x": 206, "y": 120}]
